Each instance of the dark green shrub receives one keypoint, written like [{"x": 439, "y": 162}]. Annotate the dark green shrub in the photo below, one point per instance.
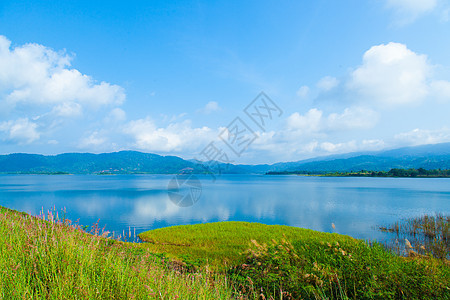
[{"x": 337, "y": 271}]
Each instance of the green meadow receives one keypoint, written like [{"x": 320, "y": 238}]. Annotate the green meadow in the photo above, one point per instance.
[
  {"x": 221, "y": 244},
  {"x": 54, "y": 259}
]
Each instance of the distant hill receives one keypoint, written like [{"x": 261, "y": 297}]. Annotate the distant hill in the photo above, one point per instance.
[
  {"x": 123, "y": 162},
  {"x": 435, "y": 156}
]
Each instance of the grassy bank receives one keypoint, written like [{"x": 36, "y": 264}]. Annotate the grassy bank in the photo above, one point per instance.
[
  {"x": 296, "y": 263},
  {"x": 49, "y": 260},
  {"x": 221, "y": 244},
  {"x": 228, "y": 260}
]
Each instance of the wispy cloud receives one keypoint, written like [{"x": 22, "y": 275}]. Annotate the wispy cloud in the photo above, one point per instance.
[
  {"x": 407, "y": 11},
  {"x": 210, "y": 107},
  {"x": 424, "y": 136}
]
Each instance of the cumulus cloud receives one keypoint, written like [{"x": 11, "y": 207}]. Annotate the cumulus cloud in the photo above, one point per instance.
[
  {"x": 307, "y": 123},
  {"x": 22, "y": 131},
  {"x": 33, "y": 74},
  {"x": 408, "y": 11},
  {"x": 309, "y": 134},
  {"x": 314, "y": 121},
  {"x": 424, "y": 136},
  {"x": 353, "y": 118},
  {"x": 40, "y": 92},
  {"x": 293, "y": 147},
  {"x": 176, "y": 137},
  {"x": 391, "y": 75}
]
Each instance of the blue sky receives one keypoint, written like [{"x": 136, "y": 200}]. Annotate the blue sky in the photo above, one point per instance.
[{"x": 168, "y": 78}]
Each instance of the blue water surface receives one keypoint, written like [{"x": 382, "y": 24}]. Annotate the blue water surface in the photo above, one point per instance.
[{"x": 356, "y": 206}]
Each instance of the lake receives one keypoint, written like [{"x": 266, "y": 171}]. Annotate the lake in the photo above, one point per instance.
[{"x": 356, "y": 206}]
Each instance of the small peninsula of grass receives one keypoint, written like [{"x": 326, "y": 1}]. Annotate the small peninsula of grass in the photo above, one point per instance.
[{"x": 221, "y": 244}]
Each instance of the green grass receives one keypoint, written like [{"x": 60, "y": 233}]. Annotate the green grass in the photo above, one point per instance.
[
  {"x": 54, "y": 259},
  {"x": 221, "y": 244},
  {"x": 294, "y": 263},
  {"x": 49, "y": 260}
]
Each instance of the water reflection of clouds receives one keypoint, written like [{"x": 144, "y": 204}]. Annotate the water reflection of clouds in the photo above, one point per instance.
[
  {"x": 302, "y": 204},
  {"x": 355, "y": 206},
  {"x": 149, "y": 210}
]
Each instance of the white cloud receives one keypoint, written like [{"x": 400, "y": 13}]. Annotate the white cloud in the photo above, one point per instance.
[
  {"x": 93, "y": 141},
  {"x": 424, "y": 136},
  {"x": 352, "y": 146},
  {"x": 116, "y": 115},
  {"x": 408, "y": 11},
  {"x": 22, "y": 131},
  {"x": 353, "y": 118},
  {"x": 314, "y": 121},
  {"x": 33, "y": 74},
  {"x": 67, "y": 109},
  {"x": 308, "y": 123},
  {"x": 391, "y": 75},
  {"x": 374, "y": 144},
  {"x": 292, "y": 147},
  {"x": 310, "y": 134},
  {"x": 339, "y": 147},
  {"x": 210, "y": 107},
  {"x": 40, "y": 89},
  {"x": 176, "y": 137},
  {"x": 327, "y": 83},
  {"x": 303, "y": 91}
]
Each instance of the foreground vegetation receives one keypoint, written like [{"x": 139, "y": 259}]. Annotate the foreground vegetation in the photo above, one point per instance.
[
  {"x": 424, "y": 235},
  {"x": 420, "y": 173},
  {"x": 53, "y": 259},
  {"x": 298, "y": 263},
  {"x": 221, "y": 244}
]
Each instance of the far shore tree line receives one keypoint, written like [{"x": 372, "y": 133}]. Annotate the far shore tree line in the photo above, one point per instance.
[{"x": 396, "y": 172}]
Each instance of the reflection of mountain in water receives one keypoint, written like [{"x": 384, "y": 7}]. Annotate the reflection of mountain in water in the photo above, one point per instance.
[{"x": 355, "y": 205}]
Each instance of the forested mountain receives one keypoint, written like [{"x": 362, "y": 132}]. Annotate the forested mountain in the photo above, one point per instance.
[
  {"x": 123, "y": 162},
  {"x": 435, "y": 156}
]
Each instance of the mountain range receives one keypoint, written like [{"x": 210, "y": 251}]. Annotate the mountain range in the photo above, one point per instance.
[{"x": 434, "y": 156}]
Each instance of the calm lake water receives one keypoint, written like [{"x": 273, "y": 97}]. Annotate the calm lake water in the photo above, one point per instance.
[{"x": 355, "y": 205}]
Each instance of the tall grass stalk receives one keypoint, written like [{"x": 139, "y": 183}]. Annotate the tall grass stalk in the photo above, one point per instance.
[
  {"x": 424, "y": 235},
  {"x": 53, "y": 259}
]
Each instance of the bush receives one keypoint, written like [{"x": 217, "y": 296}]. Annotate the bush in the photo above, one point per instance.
[{"x": 337, "y": 271}]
